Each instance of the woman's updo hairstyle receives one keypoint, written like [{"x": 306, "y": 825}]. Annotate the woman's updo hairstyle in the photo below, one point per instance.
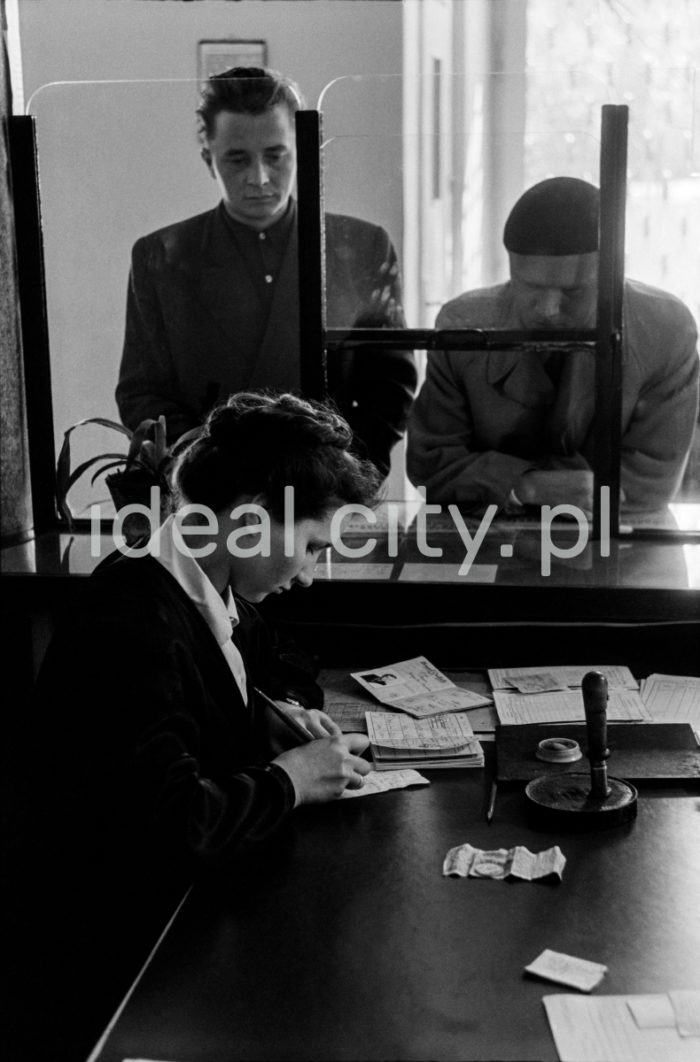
[{"x": 260, "y": 443}]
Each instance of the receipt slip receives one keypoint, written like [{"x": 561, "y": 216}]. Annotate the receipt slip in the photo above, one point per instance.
[
  {"x": 381, "y": 783},
  {"x": 567, "y": 970},
  {"x": 417, "y": 687}
]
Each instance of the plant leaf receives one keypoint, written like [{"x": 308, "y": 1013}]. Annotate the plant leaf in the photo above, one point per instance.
[
  {"x": 106, "y": 468},
  {"x": 64, "y": 478},
  {"x": 77, "y": 472}
]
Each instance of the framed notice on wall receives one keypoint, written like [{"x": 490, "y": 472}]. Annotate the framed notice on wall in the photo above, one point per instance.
[{"x": 213, "y": 57}]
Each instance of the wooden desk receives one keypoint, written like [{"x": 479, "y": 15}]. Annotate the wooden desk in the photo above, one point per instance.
[{"x": 349, "y": 944}]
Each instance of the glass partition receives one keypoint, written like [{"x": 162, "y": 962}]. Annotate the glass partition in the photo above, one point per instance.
[
  {"x": 469, "y": 147},
  {"x": 436, "y": 161}
]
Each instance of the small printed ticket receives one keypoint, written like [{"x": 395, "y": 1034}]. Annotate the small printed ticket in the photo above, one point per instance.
[{"x": 567, "y": 970}]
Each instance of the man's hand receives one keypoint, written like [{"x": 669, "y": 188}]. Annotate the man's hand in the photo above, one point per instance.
[
  {"x": 321, "y": 770},
  {"x": 557, "y": 487}
]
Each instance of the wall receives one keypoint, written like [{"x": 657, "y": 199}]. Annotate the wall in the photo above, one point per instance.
[
  {"x": 120, "y": 160},
  {"x": 15, "y": 497}
]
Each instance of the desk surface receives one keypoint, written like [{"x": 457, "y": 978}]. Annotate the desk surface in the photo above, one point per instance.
[{"x": 349, "y": 944}]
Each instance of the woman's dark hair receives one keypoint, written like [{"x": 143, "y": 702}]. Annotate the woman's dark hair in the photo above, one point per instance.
[
  {"x": 260, "y": 443},
  {"x": 245, "y": 90}
]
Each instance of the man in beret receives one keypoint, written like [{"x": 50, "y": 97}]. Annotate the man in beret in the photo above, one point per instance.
[
  {"x": 213, "y": 301},
  {"x": 515, "y": 427}
]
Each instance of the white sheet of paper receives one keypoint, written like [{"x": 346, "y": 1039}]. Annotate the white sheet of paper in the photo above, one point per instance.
[
  {"x": 568, "y": 970},
  {"x": 566, "y": 707},
  {"x": 381, "y": 781},
  {"x": 653, "y": 1011},
  {"x": 602, "y": 1029},
  {"x": 686, "y": 1007},
  {"x": 569, "y": 675}
]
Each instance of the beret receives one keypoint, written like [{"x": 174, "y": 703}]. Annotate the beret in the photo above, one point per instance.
[{"x": 555, "y": 217}]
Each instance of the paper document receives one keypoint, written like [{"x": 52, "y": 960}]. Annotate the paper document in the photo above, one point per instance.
[
  {"x": 672, "y": 699},
  {"x": 568, "y": 970},
  {"x": 378, "y": 782},
  {"x": 519, "y": 862},
  {"x": 624, "y": 706},
  {"x": 539, "y": 679},
  {"x": 603, "y": 1029},
  {"x": 416, "y": 686},
  {"x": 437, "y": 732},
  {"x": 350, "y": 715},
  {"x": 397, "y": 741}
]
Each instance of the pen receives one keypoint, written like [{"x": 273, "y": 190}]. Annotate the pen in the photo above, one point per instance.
[
  {"x": 492, "y": 803},
  {"x": 287, "y": 718}
]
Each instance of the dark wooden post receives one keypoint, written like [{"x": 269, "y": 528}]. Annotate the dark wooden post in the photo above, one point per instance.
[
  {"x": 35, "y": 331},
  {"x": 312, "y": 280},
  {"x": 608, "y": 376}
]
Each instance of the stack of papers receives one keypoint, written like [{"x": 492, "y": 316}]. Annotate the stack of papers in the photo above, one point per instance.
[
  {"x": 416, "y": 686},
  {"x": 397, "y": 742},
  {"x": 553, "y": 694},
  {"x": 561, "y": 677}
]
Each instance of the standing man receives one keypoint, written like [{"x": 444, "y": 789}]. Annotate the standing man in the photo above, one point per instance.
[
  {"x": 515, "y": 428},
  {"x": 213, "y": 303}
]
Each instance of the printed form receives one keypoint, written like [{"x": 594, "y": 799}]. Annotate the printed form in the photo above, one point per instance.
[
  {"x": 624, "y": 706},
  {"x": 673, "y": 699}
]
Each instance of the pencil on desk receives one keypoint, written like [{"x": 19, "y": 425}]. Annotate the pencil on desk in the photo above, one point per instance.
[{"x": 492, "y": 803}]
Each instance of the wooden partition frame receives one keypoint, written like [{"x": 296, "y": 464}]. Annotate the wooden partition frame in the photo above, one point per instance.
[
  {"x": 34, "y": 320},
  {"x": 317, "y": 341}
]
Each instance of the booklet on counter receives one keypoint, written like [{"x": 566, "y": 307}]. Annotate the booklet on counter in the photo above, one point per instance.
[
  {"x": 416, "y": 686},
  {"x": 397, "y": 741}
]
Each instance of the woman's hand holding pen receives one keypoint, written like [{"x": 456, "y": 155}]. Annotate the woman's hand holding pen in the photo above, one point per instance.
[{"x": 322, "y": 769}]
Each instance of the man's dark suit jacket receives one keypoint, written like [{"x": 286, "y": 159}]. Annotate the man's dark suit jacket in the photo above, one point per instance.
[{"x": 193, "y": 324}]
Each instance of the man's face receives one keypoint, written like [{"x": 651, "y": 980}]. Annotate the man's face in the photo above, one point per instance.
[
  {"x": 253, "y": 159},
  {"x": 555, "y": 291}
]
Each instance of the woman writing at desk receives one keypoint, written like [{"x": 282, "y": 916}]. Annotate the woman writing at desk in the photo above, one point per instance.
[{"x": 157, "y": 753}]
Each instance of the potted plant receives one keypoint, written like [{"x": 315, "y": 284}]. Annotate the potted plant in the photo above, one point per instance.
[{"x": 131, "y": 474}]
